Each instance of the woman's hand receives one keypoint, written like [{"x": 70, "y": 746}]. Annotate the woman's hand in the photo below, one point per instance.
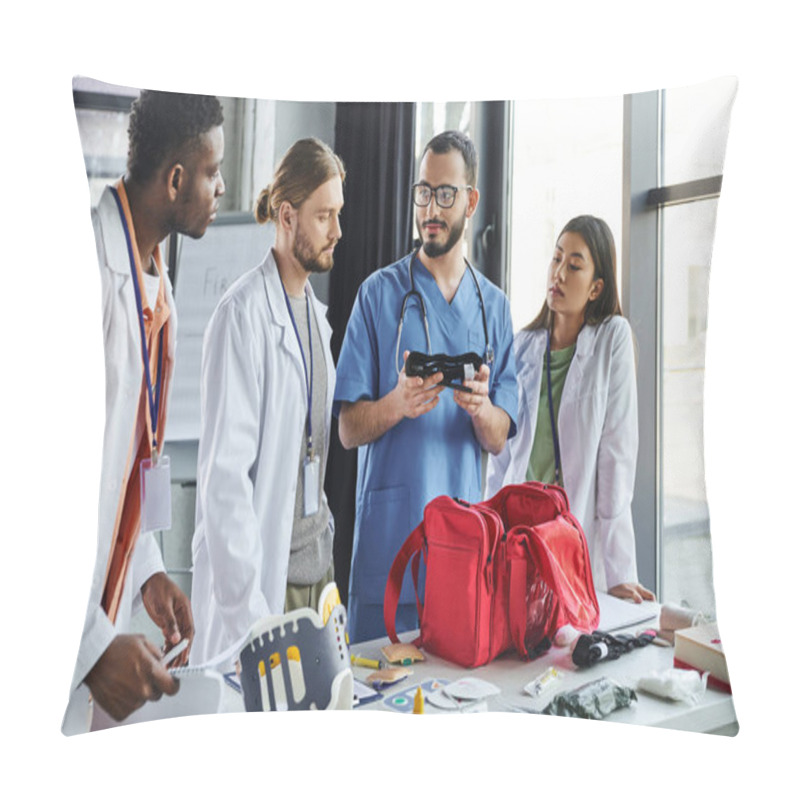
[{"x": 631, "y": 591}]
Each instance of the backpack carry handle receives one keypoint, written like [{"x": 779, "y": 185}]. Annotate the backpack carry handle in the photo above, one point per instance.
[{"x": 412, "y": 548}]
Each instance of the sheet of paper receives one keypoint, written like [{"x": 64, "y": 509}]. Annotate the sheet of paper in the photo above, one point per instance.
[
  {"x": 201, "y": 692},
  {"x": 616, "y": 614},
  {"x": 363, "y": 693}
]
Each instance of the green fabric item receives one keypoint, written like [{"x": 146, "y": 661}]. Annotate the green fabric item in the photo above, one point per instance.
[
  {"x": 594, "y": 700},
  {"x": 542, "y": 463},
  {"x": 300, "y": 596}
]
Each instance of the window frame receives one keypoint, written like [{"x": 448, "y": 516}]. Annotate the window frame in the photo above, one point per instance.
[{"x": 645, "y": 197}]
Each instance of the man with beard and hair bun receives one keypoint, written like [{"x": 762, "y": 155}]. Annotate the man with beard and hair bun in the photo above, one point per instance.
[
  {"x": 264, "y": 537},
  {"x": 416, "y": 443}
]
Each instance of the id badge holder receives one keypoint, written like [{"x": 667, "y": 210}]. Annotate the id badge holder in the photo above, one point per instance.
[
  {"x": 155, "y": 485},
  {"x": 310, "y": 486}
]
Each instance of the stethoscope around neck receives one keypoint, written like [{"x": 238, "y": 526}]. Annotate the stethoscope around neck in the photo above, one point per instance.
[{"x": 488, "y": 355}]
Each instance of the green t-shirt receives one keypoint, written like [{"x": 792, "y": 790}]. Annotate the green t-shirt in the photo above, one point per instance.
[{"x": 542, "y": 464}]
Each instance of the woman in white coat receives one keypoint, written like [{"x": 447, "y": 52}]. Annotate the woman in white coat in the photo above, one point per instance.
[{"x": 578, "y": 423}]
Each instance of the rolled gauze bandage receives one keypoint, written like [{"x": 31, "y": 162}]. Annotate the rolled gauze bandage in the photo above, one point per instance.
[
  {"x": 675, "y": 684},
  {"x": 676, "y": 618}
]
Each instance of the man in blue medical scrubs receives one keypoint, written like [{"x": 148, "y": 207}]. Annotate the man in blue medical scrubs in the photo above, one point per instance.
[{"x": 417, "y": 439}]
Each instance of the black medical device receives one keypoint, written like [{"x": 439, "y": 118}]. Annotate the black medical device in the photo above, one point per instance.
[
  {"x": 414, "y": 292},
  {"x": 454, "y": 368}
]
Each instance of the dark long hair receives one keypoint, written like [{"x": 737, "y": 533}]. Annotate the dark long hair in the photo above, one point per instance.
[{"x": 600, "y": 241}]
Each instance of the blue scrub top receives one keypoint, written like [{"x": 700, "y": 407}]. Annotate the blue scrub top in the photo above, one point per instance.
[{"x": 435, "y": 454}]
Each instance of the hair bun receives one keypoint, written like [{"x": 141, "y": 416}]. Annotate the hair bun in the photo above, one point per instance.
[{"x": 263, "y": 210}]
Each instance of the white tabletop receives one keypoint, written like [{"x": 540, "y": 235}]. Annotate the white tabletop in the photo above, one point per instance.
[
  {"x": 511, "y": 674},
  {"x": 713, "y": 713}
]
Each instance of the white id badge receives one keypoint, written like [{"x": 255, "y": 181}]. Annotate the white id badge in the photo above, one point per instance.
[
  {"x": 310, "y": 486},
  {"x": 155, "y": 495}
]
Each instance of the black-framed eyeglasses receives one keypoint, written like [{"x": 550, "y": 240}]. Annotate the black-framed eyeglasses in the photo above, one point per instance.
[{"x": 445, "y": 194}]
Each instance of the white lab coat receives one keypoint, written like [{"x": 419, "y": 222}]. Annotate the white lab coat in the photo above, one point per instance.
[
  {"x": 253, "y": 413},
  {"x": 124, "y": 380},
  {"x": 598, "y": 436}
]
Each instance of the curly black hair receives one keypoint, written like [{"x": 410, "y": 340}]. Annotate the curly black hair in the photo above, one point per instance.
[
  {"x": 456, "y": 140},
  {"x": 162, "y": 124}
]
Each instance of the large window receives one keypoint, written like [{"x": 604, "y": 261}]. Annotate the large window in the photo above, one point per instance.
[
  {"x": 566, "y": 161},
  {"x": 686, "y": 259},
  {"x": 695, "y": 130},
  {"x": 433, "y": 118},
  {"x": 674, "y": 148},
  {"x": 651, "y": 166},
  {"x": 692, "y": 149},
  {"x": 102, "y": 114}
]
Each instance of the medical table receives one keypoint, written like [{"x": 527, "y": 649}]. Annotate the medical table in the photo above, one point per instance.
[{"x": 714, "y": 713}]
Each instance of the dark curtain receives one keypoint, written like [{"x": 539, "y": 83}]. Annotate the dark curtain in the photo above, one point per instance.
[{"x": 376, "y": 143}]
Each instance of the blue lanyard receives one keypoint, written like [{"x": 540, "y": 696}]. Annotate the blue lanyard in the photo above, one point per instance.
[
  {"x": 553, "y": 428},
  {"x": 309, "y": 378},
  {"x": 153, "y": 399}
]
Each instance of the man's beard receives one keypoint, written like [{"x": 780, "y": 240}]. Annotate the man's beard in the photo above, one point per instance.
[
  {"x": 309, "y": 260},
  {"x": 433, "y": 249}
]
